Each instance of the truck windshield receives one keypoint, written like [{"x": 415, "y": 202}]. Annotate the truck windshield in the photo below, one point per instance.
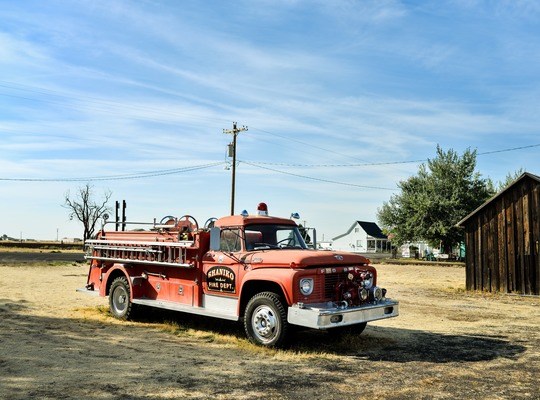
[{"x": 260, "y": 237}]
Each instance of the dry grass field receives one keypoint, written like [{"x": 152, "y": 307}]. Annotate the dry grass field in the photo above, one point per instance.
[{"x": 58, "y": 344}]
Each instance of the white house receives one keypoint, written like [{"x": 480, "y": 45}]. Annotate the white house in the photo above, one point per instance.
[{"x": 362, "y": 237}]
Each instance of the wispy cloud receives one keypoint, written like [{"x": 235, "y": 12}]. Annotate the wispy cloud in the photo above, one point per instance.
[{"x": 20, "y": 52}]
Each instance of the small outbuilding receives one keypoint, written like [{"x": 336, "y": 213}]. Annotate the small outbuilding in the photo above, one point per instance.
[
  {"x": 502, "y": 240},
  {"x": 362, "y": 237}
]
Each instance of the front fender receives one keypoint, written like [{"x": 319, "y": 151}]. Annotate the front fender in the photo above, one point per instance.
[{"x": 283, "y": 277}]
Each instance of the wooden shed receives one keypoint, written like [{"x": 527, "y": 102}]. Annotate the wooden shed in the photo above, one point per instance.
[{"x": 501, "y": 240}]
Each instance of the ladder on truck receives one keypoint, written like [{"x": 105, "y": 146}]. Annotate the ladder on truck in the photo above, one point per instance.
[
  {"x": 162, "y": 253},
  {"x": 168, "y": 254}
]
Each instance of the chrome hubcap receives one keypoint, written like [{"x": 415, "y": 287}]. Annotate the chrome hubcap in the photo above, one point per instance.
[{"x": 264, "y": 323}]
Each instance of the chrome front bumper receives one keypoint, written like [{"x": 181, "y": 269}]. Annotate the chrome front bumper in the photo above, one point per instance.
[{"x": 328, "y": 315}]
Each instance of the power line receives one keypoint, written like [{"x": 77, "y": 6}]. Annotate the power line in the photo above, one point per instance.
[
  {"x": 305, "y": 143},
  {"x": 258, "y": 164},
  {"x": 510, "y": 149},
  {"x": 318, "y": 179},
  {"x": 118, "y": 177},
  {"x": 335, "y": 165},
  {"x": 382, "y": 163},
  {"x": 61, "y": 97}
]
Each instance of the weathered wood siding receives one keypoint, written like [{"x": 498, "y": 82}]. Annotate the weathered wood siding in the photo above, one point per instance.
[{"x": 502, "y": 242}]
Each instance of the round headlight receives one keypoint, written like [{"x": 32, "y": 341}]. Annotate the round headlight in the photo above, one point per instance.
[
  {"x": 377, "y": 293},
  {"x": 306, "y": 286},
  {"x": 363, "y": 293}
]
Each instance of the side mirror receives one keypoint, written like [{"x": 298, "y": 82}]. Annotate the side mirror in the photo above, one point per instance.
[{"x": 215, "y": 238}]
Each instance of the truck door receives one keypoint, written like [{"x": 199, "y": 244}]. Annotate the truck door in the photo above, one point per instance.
[{"x": 221, "y": 268}]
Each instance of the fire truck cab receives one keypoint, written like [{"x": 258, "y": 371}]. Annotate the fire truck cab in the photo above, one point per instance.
[{"x": 251, "y": 268}]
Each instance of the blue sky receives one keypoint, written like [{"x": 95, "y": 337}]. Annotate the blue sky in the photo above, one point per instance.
[{"x": 330, "y": 90}]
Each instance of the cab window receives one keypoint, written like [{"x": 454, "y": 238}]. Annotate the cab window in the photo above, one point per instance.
[{"x": 230, "y": 240}]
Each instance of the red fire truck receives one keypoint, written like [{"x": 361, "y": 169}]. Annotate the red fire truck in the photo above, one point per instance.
[{"x": 251, "y": 268}]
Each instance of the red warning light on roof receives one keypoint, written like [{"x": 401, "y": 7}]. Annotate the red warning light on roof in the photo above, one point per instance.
[{"x": 262, "y": 209}]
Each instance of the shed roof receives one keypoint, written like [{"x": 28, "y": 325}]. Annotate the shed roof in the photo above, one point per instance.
[
  {"x": 371, "y": 228},
  {"x": 525, "y": 175}
]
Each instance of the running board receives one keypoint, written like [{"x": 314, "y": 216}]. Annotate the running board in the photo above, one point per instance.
[{"x": 169, "y": 305}]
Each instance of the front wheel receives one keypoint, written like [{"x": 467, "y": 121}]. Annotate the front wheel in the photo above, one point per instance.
[
  {"x": 120, "y": 300},
  {"x": 265, "y": 320}
]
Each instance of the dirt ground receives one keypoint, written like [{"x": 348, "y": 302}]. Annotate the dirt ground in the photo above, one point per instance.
[{"x": 56, "y": 343}]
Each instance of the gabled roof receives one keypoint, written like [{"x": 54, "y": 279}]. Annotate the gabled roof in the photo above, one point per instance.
[
  {"x": 525, "y": 175},
  {"x": 371, "y": 228}
]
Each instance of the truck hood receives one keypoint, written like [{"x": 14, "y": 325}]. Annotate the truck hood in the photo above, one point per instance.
[{"x": 303, "y": 258}]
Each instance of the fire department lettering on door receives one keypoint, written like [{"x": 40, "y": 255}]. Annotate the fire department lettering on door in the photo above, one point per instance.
[{"x": 221, "y": 279}]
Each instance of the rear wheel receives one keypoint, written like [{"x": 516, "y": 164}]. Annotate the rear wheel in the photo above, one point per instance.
[
  {"x": 265, "y": 320},
  {"x": 120, "y": 299}
]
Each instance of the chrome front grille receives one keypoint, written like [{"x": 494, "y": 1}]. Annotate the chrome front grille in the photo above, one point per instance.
[{"x": 330, "y": 283}]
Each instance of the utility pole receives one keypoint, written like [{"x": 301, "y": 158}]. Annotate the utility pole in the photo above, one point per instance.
[{"x": 234, "y": 131}]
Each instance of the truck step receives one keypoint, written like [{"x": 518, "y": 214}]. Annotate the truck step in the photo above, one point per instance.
[{"x": 173, "y": 306}]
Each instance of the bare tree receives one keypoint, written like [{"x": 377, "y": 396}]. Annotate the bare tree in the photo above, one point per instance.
[{"x": 83, "y": 207}]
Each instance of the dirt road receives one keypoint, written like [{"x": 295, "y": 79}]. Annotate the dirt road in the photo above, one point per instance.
[{"x": 58, "y": 344}]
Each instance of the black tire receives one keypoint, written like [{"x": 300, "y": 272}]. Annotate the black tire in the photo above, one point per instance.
[
  {"x": 265, "y": 320},
  {"x": 120, "y": 299},
  {"x": 355, "y": 329}
]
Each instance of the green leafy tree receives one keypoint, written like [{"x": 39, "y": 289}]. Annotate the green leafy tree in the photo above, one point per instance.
[
  {"x": 510, "y": 178},
  {"x": 444, "y": 191}
]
